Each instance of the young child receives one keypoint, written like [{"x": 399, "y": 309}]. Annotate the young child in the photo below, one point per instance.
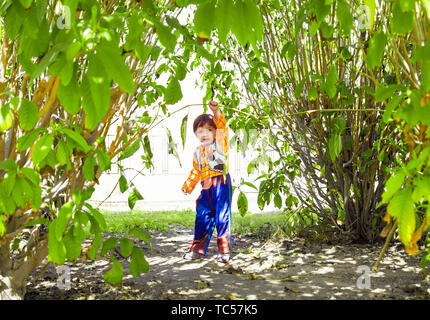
[{"x": 210, "y": 167}]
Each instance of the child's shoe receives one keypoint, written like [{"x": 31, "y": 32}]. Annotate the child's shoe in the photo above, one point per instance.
[
  {"x": 223, "y": 257},
  {"x": 192, "y": 255}
]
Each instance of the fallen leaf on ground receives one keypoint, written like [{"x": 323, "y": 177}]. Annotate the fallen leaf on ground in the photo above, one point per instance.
[{"x": 252, "y": 276}]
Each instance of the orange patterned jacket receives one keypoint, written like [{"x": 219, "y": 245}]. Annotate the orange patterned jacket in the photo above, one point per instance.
[{"x": 210, "y": 161}]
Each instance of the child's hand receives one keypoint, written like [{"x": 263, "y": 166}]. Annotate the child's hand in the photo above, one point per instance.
[{"x": 213, "y": 105}]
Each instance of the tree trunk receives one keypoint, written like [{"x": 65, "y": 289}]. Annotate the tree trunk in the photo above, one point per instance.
[
  {"x": 11, "y": 289},
  {"x": 13, "y": 281}
]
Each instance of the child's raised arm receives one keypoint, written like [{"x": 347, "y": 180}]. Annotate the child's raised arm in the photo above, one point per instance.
[
  {"x": 219, "y": 119},
  {"x": 213, "y": 105}
]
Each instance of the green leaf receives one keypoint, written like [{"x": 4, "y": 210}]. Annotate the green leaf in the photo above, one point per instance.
[
  {"x": 312, "y": 93},
  {"x": 278, "y": 201},
  {"x": 28, "y": 114},
  {"x": 138, "y": 262},
  {"x": 172, "y": 145},
  {"x": 402, "y": 21},
  {"x": 34, "y": 39},
  {"x": 8, "y": 165},
  {"x": 6, "y": 118},
  {"x": 23, "y": 192},
  {"x": 410, "y": 110},
  {"x": 76, "y": 137},
  {"x": 371, "y": 6},
  {"x": 73, "y": 245},
  {"x": 26, "y": 3},
  {"x": 204, "y": 19},
  {"x": 335, "y": 146},
  {"x": 7, "y": 204},
  {"x": 166, "y": 37},
  {"x": 240, "y": 24},
  {"x": 37, "y": 221},
  {"x": 330, "y": 82},
  {"x": 63, "y": 154},
  {"x": 173, "y": 91},
  {"x": 249, "y": 185},
  {"x": 130, "y": 150},
  {"x": 242, "y": 204},
  {"x": 123, "y": 186},
  {"x": 77, "y": 196},
  {"x": 57, "y": 249},
  {"x": 96, "y": 92},
  {"x": 184, "y": 130},
  {"x": 70, "y": 95},
  {"x": 393, "y": 185},
  {"x": 135, "y": 29},
  {"x": 289, "y": 50},
  {"x": 425, "y": 77},
  {"x": 255, "y": 33},
  {"x": 31, "y": 175},
  {"x": 339, "y": 124},
  {"x": 422, "y": 189},
  {"x": 246, "y": 23},
  {"x": 103, "y": 159},
  {"x": 14, "y": 19},
  {"x": 73, "y": 50},
  {"x": 141, "y": 234},
  {"x": 2, "y": 225},
  {"x": 401, "y": 206},
  {"x": 223, "y": 18},
  {"x": 88, "y": 167},
  {"x": 180, "y": 70},
  {"x": 63, "y": 219},
  {"x": 147, "y": 148},
  {"x": 42, "y": 148},
  {"x": 114, "y": 275},
  {"x": 47, "y": 60},
  {"x": 108, "y": 244},
  {"x": 126, "y": 247},
  {"x": 143, "y": 51},
  {"x": 260, "y": 201},
  {"x": 94, "y": 213},
  {"x": 27, "y": 140},
  {"x": 313, "y": 28},
  {"x": 376, "y": 50},
  {"x": 401, "y": 201},
  {"x": 110, "y": 55},
  {"x": 251, "y": 168},
  {"x": 14, "y": 103},
  {"x": 50, "y": 160},
  {"x": 66, "y": 74},
  {"x": 322, "y": 8},
  {"x": 384, "y": 92},
  {"x": 344, "y": 16},
  {"x": 8, "y": 182},
  {"x": 95, "y": 245},
  {"x": 133, "y": 198},
  {"x": 299, "y": 89}
]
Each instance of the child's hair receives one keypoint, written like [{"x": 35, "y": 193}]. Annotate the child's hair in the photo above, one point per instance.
[{"x": 203, "y": 119}]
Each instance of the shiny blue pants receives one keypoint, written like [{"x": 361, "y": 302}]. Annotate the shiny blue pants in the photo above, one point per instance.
[{"x": 213, "y": 209}]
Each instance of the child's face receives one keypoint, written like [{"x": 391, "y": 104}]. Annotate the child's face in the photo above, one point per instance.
[{"x": 205, "y": 134}]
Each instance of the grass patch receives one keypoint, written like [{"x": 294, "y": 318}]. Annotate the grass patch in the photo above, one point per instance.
[
  {"x": 262, "y": 225},
  {"x": 122, "y": 221}
]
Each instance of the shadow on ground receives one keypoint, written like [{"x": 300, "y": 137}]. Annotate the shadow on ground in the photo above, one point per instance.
[{"x": 289, "y": 269}]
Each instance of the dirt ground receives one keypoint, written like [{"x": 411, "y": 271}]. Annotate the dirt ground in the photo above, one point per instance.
[{"x": 285, "y": 269}]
